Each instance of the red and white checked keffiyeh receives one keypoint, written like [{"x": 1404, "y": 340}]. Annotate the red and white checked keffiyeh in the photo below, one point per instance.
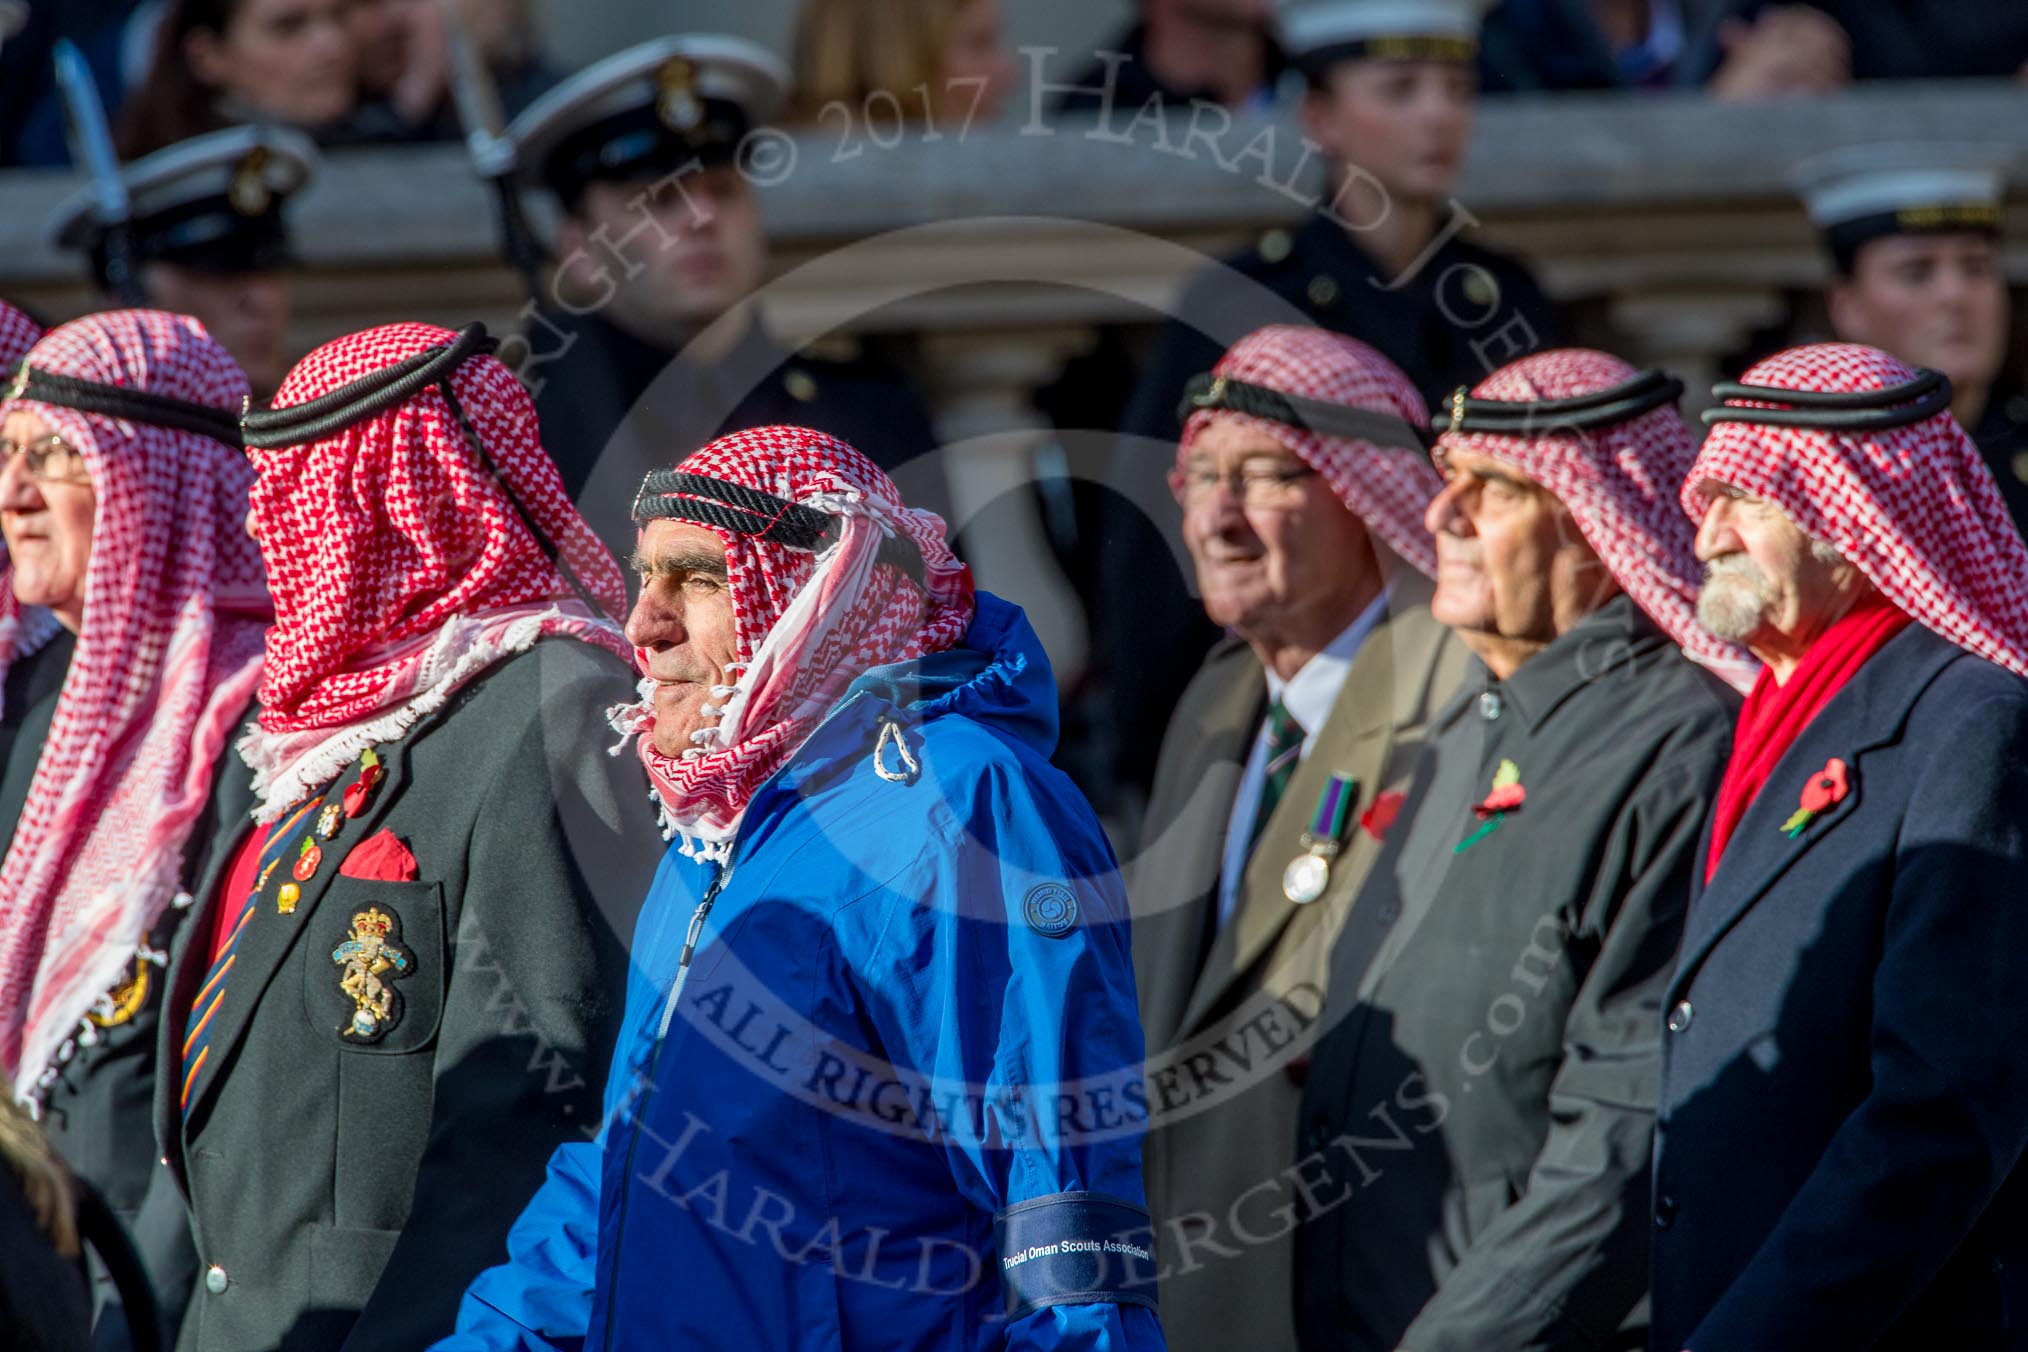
[
  {"x": 18, "y": 333},
  {"x": 167, "y": 658},
  {"x": 807, "y": 624},
  {"x": 400, "y": 567},
  {"x": 1619, "y": 484},
  {"x": 1913, "y": 508},
  {"x": 23, "y": 629},
  {"x": 1388, "y": 488}
]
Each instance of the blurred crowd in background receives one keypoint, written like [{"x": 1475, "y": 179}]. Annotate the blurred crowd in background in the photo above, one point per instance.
[{"x": 355, "y": 72}]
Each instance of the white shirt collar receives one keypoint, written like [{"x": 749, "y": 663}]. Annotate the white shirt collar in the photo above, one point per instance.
[{"x": 1310, "y": 694}]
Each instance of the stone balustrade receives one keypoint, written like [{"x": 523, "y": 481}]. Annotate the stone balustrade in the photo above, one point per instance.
[{"x": 1664, "y": 224}]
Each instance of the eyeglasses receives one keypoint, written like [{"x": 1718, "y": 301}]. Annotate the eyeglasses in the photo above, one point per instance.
[
  {"x": 1253, "y": 485},
  {"x": 49, "y": 459}
]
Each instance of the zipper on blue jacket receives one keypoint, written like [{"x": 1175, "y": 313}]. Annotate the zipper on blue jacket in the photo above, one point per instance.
[
  {"x": 690, "y": 939},
  {"x": 696, "y": 930}
]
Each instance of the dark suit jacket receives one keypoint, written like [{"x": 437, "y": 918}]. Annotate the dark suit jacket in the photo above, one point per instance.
[
  {"x": 1844, "y": 1092},
  {"x": 347, "y": 1190},
  {"x": 1476, "y": 1128},
  {"x": 27, "y": 704}
]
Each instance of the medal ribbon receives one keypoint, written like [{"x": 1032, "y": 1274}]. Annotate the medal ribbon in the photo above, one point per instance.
[{"x": 1334, "y": 809}]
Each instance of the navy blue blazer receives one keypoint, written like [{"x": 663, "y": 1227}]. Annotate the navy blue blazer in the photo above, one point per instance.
[{"x": 1845, "y": 1073}]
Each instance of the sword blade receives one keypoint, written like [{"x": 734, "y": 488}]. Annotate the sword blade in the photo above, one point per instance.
[
  {"x": 476, "y": 98},
  {"x": 91, "y": 138}
]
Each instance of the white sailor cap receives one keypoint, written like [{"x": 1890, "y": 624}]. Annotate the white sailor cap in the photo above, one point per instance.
[
  {"x": 646, "y": 111},
  {"x": 1319, "y": 33},
  {"x": 213, "y": 202},
  {"x": 1858, "y": 194}
]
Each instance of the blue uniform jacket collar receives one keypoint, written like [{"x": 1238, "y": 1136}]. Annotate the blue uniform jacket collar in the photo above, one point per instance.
[{"x": 997, "y": 676}]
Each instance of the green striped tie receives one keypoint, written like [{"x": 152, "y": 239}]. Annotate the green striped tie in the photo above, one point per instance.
[{"x": 1284, "y": 753}]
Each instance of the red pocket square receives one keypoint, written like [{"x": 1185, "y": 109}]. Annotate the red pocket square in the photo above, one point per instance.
[{"x": 380, "y": 859}]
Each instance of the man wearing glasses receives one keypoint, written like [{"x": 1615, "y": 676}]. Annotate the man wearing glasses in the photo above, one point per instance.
[{"x": 1303, "y": 482}]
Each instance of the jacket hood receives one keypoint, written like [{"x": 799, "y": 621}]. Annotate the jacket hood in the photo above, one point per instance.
[{"x": 998, "y": 676}]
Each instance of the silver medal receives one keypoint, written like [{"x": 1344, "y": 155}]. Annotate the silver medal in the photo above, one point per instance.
[{"x": 1306, "y": 877}]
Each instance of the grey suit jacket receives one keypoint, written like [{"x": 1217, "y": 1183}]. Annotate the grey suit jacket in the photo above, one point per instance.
[{"x": 1229, "y": 1018}]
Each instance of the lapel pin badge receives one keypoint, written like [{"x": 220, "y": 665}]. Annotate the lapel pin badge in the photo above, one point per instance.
[
  {"x": 360, "y": 790},
  {"x": 1379, "y": 817},
  {"x": 1827, "y": 788},
  {"x": 307, "y": 860},
  {"x": 1508, "y": 794}
]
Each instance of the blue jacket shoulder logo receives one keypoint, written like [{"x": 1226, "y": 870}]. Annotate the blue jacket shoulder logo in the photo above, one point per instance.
[{"x": 1051, "y": 909}]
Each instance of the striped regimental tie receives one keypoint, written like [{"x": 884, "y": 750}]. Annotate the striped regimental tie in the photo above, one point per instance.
[
  {"x": 197, "y": 1041},
  {"x": 1284, "y": 752}
]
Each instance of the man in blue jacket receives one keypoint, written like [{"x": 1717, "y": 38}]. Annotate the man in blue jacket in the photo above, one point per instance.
[{"x": 879, "y": 1083}]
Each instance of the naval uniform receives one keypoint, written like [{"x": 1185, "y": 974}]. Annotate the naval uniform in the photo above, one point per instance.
[
  {"x": 613, "y": 407},
  {"x": 1859, "y": 194},
  {"x": 2002, "y": 435}
]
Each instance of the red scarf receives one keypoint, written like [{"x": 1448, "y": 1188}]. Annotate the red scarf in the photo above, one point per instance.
[{"x": 1775, "y": 715}]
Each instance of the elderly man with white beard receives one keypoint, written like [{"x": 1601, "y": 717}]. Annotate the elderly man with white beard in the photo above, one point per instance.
[{"x": 1843, "y": 1100}]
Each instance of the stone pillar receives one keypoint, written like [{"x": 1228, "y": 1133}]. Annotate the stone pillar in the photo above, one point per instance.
[
  {"x": 979, "y": 387},
  {"x": 1688, "y": 333}
]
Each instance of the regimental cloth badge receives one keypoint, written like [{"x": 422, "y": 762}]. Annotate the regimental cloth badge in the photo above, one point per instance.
[{"x": 369, "y": 963}]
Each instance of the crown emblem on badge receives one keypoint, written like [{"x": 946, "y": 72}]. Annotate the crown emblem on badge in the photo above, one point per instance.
[
  {"x": 676, "y": 101},
  {"x": 249, "y": 193},
  {"x": 372, "y": 924}
]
